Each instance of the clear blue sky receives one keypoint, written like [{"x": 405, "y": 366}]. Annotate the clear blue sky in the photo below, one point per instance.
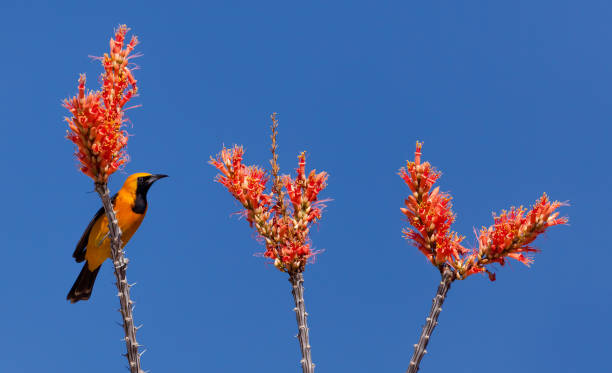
[{"x": 512, "y": 99}]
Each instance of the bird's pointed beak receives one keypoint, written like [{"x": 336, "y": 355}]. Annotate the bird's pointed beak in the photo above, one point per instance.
[{"x": 154, "y": 178}]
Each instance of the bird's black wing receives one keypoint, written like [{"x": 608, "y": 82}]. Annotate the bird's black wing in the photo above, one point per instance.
[{"x": 79, "y": 252}]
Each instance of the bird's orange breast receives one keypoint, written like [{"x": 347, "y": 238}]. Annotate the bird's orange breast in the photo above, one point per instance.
[{"x": 98, "y": 245}]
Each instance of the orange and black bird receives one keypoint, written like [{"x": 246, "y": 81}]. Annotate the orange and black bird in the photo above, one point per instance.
[{"x": 130, "y": 205}]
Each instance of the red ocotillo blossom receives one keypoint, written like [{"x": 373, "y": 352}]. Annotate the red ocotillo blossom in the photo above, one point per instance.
[
  {"x": 283, "y": 222},
  {"x": 511, "y": 236},
  {"x": 98, "y": 116},
  {"x": 246, "y": 183},
  {"x": 429, "y": 211}
]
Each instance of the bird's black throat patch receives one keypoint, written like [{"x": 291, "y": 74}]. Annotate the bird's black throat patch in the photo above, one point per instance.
[{"x": 140, "y": 203}]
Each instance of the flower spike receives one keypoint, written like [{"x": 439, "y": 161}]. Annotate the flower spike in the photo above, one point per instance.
[
  {"x": 281, "y": 217},
  {"x": 98, "y": 116},
  {"x": 512, "y": 233},
  {"x": 430, "y": 213}
]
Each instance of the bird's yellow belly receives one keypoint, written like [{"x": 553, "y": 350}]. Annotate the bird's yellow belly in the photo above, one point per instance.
[{"x": 98, "y": 245}]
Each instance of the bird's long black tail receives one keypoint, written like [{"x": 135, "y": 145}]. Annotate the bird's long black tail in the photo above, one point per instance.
[{"x": 81, "y": 290}]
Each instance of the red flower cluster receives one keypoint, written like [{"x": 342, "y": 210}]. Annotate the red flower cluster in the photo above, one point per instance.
[
  {"x": 284, "y": 223},
  {"x": 246, "y": 184},
  {"x": 97, "y": 117},
  {"x": 303, "y": 192},
  {"x": 430, "y": 213},
  {"x": 512, "y": 233}
]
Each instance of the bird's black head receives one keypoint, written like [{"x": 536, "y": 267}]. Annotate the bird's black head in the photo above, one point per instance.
[{"x": 143, "y": 183}]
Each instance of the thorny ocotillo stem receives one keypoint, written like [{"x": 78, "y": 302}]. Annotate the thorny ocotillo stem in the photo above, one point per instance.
[
  {"x": 295, "y": 277},
  {"x": 120, "y": 265},
  {"x": 432, "y": 320},
  {"x": 297, "y": 283}
]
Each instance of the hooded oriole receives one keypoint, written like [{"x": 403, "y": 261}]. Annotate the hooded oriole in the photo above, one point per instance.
[{"x": 130, "y": 205}]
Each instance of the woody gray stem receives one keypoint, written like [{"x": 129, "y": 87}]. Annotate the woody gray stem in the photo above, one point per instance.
[
  {"x": 297, "y": 282},
  {"x": 432, "y": 319},
  {"x": 120, "y": 265}
]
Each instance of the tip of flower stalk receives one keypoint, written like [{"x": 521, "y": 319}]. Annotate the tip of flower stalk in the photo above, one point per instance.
[{"x": 417, "y": 153}]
